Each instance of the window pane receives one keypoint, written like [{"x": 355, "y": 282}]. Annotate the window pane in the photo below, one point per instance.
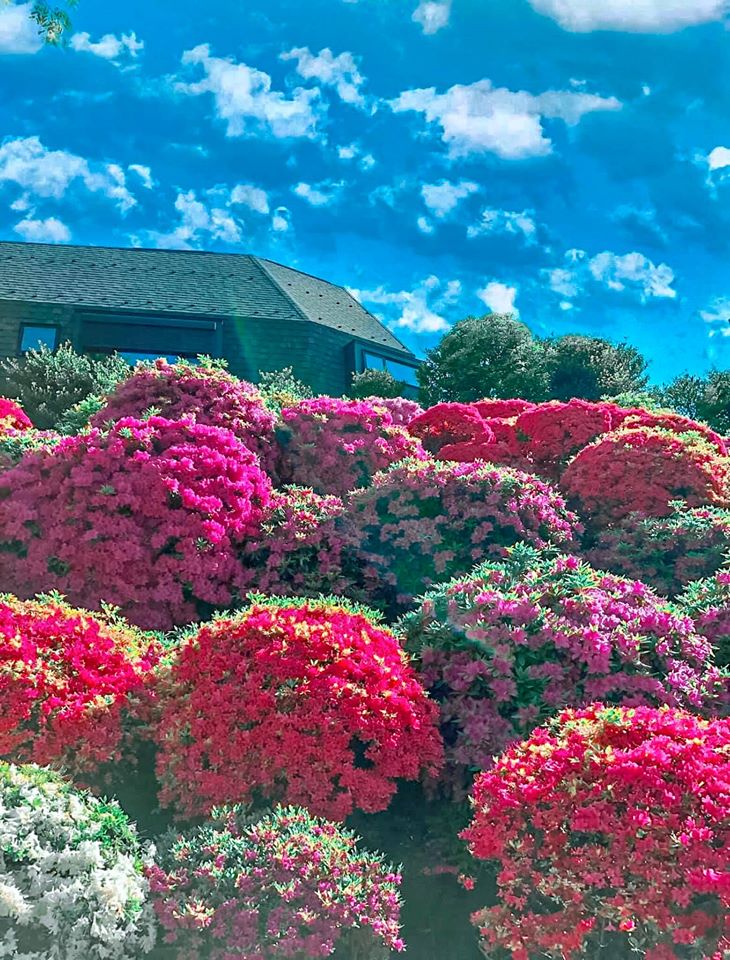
[
  {"x": 373, "y": 362},
  {"x": 401, "y": 371},
  {"x": 32, "y": 337}
]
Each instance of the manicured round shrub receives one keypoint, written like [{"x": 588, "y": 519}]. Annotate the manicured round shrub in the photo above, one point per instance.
[
  {"x": 204, "y": 391},
  {"x": 285, "y": 885},
  {"x": 424, "y": 522},
  {"x": 610, "y": 828},
  {"x": 71, "y": 873},
  {"x": 674, "y": 423},
  {"x": 65, "y": 678},
  {"x": 12, "y": 416},
  {"x": 401, "y": 409},
  {"x": 708, "y": 603},
  {"x": 553, "y": 432},
  {"x": 334, "y": 446},
  {"x": 501, "y": 409},
  {"x": 665, "y": 552},
  {"x": 451, "y": 431},
  {"x": 301, "y": 550},
  {"x": 148, "y": 517},
  {"x": 643, "y": 471},
  {"x": 308, "y": 702},
  {"x": 507, "y": 646}
]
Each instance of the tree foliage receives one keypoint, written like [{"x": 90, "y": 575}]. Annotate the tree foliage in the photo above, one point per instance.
[
  {"x": 702, "y": 398},
  {"x": 53, "y": 19},
  {"x": 375, "y": 383},
  {"x": 591, "y": 367}
]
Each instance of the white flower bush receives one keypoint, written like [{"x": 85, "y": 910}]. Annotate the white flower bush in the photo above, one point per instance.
[{"x": 71, "y": 873}]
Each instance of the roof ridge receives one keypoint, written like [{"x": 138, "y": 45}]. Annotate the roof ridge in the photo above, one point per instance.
[{"x": 267, "y": 273}]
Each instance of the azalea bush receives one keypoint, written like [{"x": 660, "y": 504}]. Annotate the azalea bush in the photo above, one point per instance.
[
  {"x": 148, "y": 516},
  {"x": 665, "y": 552},
  {"x": 72, "y": 885},
  {"x": 642, "y": 471},
  {"x": 502, "y": 409},
  {"x": 509, "y": 645},
  {"x": 13, "y": 417},
  {"x": 301, "y": 550},
  {"x": 424, "y": 522},
  {"x": 674, "y": 423},
  {"x": 204, "y": 391},
  {"x": 452, "y": 431},
  {"x": 16, "y": 443},
  {"x": 283, "y": 885},
  {"x": 401, "y": 409},
  {"x": 66, "y": 677},
  {"x": 334, "y": 446},
  {"x": 707, "y": 601},
  {"x": 610, "y": 828},
  {"x": 306, "y": 702}
]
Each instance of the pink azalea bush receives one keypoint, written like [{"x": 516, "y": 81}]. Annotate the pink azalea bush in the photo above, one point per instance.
[
  {"x": 301, "y": 549},
  {"x": 509, "y": 645},
  {"x": 642, "y": 471},
  {"x": 424, "y": 522},
  {"x": 665, "y": 552},
  {"x": 66, "y": 678},
  {"x": 14, "y": 444},
  {"x": 707, "y": 601},
  {"x": 401, "y": 409},
  {"x": 148, "y": 516},
  {"x": 283, "y": 885},
  {"x": 12, "y": 416},
  {"x": 334, "y": 446},
  {"x": 307, "y": 702},
  {"x": 610, "y": 829},
  {"x": 205, "y": 392}
]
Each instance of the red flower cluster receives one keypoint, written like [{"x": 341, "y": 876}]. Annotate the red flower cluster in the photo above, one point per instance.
[
  {"x": 334, "y": 446},
  {"x": 612, "y": 823},
  {"x": 65, "y": 678},
  {"x": 502, "y": 409},
  {"x": 12, "y": 416},
  {"x": 424, "y": 522},
  {"x": 148, "y": 517},
  {"x": 304, "y": 702},
  {"x": 674, "y": 423},
  {"x": 301, "y": 550},
  {"x": 506, "y": 647},
  {"x": 665, "y": 552},
  {"x": 286, "y": 885},
  {"x": 642, "y": 471},
  {"x": 206, "y": 392},
  {"x": 451, "y": 431}
]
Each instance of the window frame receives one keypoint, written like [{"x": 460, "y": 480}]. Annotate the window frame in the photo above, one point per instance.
[{"x": 29, "y": 325}]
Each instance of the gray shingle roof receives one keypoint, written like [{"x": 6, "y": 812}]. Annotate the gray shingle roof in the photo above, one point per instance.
[{"x": 183, "y": 282}]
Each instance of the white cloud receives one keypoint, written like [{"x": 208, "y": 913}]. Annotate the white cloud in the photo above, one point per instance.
[
  {"x": 198, "y": 222},
  {"x": 281, "y": 221},
  {"x": 144, "y": 173},
  {"x": 250, "y": 196},
  {"x": 245, "y": 101},
  {"x": 419, "y": 310},
  {"x": 18, "y": 33},
  {"x": 563, "y": 282},
  {"x": 425, "y": 225},
  {"x": 443, "y": 197},
  {"x": 320, "y": 194},
  {"x": 480, "y": 118},
  {"x": 340, "y": 72},
  {"x": 719, "y": 158},
  {"x": 353, "y": 151},
  {"x": 634, "y": 271},
  {"x": 50, "y": 230},
  {"x": 505, "y": 221},
  {"x": 637, "y": 16},
  {"x": 109, "y": 47},
  {"x": 499, "y": 298},
  {"x": 717, "y": 316},
  {"x": 432, "y": 15},
  {"x": 48, "y": 173}
]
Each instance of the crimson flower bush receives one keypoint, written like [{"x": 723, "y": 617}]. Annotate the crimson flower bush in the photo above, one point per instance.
[
  {"x": 610, "y": 827},
  {"x": 301, "y": 550},
  {"x": 665, "y": 552},
  {"x": 643, "y": 471},
  {"x": 334, "y": 446},
  {"x": 205, "y": 391},
  {"x": 509, "y": 645},
  {"x": 307, "y": 702},
  {"x": 502, "y": 409},
  {"x": 283, "y": 885},
  {"x": 12, "y": 416},
  {"x": 451, "y": 431},
  {"x": 66, "y": 677},
  {"x": 148, "y": 517},
  {"x": 674, "y": 423},
  {"x": 424, "y": 522}
]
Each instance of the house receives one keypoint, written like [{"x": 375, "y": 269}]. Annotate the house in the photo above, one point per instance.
[{"x": 257, "y": 314}]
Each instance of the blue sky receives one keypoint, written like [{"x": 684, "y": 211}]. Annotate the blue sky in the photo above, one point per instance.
[{"x": 567, "y": 159}]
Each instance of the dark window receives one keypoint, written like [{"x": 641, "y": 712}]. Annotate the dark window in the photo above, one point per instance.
[
  {"x": 138, "y": 337},
  {"x": 32, "y": 337}
]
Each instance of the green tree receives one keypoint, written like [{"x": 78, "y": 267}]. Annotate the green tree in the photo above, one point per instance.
[
  {"x": 591, "y": 367},
  {"x": 490, "y": 356},
  {"x": 714, "y": 405},
  {"x": 48, "y": 383},
  {"x": 375, "y": 383},
  {"x": 684, "y": 394},
  {"x": 53, "y": 19}
]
